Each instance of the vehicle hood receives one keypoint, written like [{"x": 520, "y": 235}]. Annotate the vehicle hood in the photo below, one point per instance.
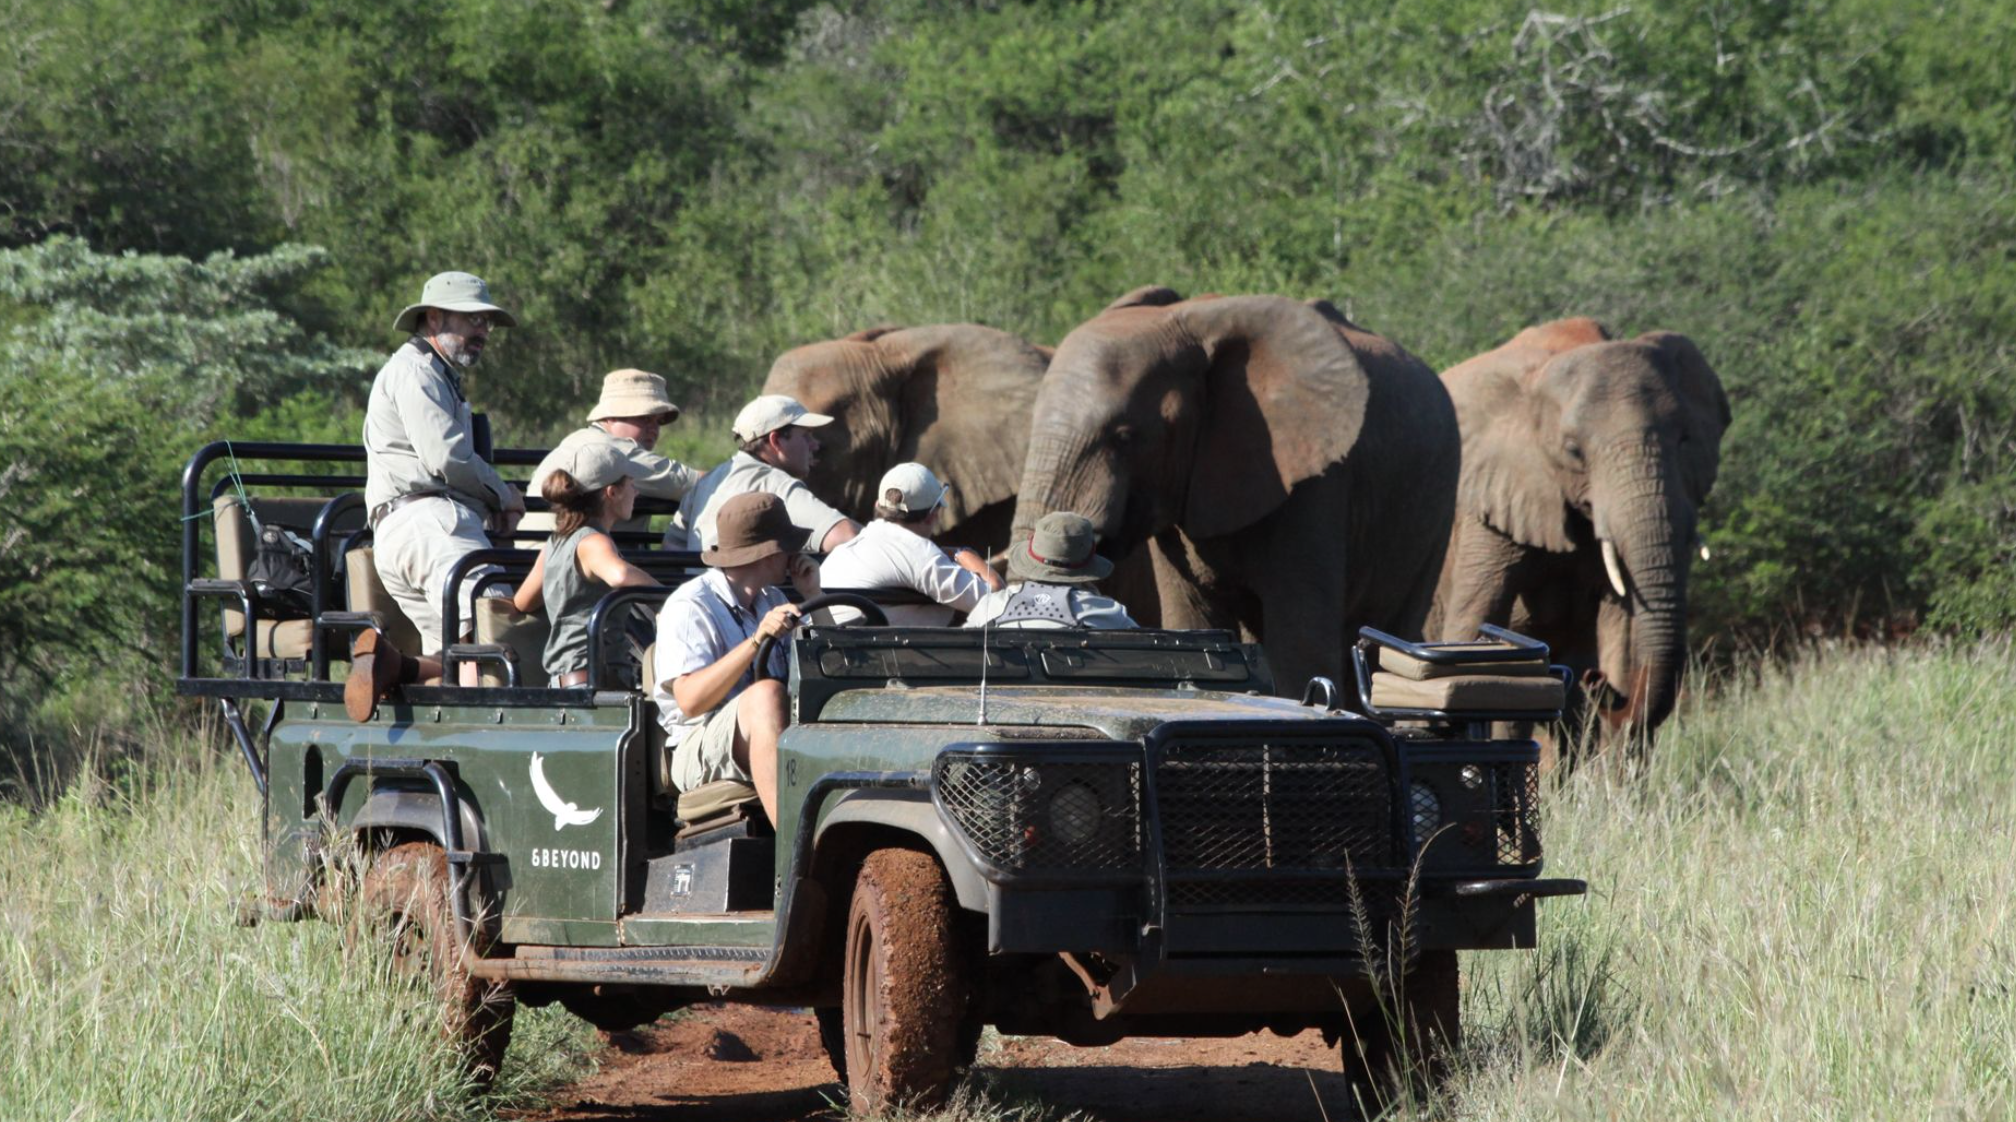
[{"x": 1120, "y": 714}]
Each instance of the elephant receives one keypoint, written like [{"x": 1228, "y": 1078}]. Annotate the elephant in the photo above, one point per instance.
[
  {"x": 1292, "y": 474},
  {"x": 1585, "y": 463},
  {"x": 954, "y": 397}
]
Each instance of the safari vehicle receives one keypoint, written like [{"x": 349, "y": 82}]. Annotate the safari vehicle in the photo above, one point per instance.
[{"x": 1088, "y": 834}]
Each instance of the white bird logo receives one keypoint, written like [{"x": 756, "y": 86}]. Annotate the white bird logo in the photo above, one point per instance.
[{"x": 564, "y": 813}]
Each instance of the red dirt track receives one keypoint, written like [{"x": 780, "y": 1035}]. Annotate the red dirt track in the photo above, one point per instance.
[{"x": 668, "y": 1073}]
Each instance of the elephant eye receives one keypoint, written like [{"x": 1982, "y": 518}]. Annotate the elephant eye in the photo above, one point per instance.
[
  {"x": 1573, "y": 448},
  {"x": 1123, "y": 434}
]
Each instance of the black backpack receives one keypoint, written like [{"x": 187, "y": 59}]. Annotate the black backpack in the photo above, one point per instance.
[{"x": 281, "y": 574}]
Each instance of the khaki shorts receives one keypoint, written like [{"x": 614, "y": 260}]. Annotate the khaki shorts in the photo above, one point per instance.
[
  {"x": 416, "y": 548},
  {"x": 706, "y": 752}
]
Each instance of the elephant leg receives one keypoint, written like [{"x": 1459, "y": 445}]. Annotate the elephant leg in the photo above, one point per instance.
[
  {"x": 1190, "y": 594},
  {"x": 1480, "y": 576}
]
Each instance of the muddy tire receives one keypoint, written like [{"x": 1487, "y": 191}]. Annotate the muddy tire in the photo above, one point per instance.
[
  {"x": 904, "y": 986},
  {"x": 1411, "y": 1040},
  {"x": 405, "y": 902}
]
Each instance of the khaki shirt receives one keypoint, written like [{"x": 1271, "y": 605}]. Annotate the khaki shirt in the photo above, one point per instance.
[
  {"x": 418, "y": 437},
  {"x": 742, "y": 474},
  {"x": 668, "y": 478}
]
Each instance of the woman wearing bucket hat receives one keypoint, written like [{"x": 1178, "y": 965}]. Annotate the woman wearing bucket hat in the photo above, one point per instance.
[
  {"x": 1055, "y": 568},
  {"x": 591, "y": 490},
  {"x": 429, "y": 496},
  {"x": 722, "y": 723},
  {"x": 633, "y": 408},
  {"x": 896, "y": 551}
]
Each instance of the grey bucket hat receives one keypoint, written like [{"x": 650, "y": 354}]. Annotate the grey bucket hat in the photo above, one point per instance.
[
  {"x": 453, "y": 292},
  {"x": 1059, "y": 551}
]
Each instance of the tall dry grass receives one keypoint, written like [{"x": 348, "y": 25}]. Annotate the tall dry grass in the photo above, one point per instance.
[{"x": 128, "y": 992}]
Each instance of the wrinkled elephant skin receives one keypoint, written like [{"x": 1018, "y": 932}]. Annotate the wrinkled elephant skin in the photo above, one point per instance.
[
  {"x": 1585, "y": 463},
  {"x": 954, "y": 397},
  {"x": 1292, "y": 474}
]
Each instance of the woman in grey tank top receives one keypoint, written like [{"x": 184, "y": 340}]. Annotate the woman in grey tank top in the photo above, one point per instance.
[{"x": 590, "y": 493}]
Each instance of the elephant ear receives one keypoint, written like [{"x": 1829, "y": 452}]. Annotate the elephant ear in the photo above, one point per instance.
[
  {"x": 870, "y": 334},
  {"x": 1507, "y": 481},
  {"x": 1147, "y": 296},
  {"x": 1281, "y": 399},
  {"x": 964, "y": 405},
  {"x": 1703, "y": 404}
]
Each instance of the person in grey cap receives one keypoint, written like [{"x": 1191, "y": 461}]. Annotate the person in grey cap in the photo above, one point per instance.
[
  {"x": 1055, "y": 568},
  {"x": 592, "y": 488},
  {"x": 430, "y": 497},
  {"x": 778, "y": 447},
  {"x": 633, "y": 409},
  {"x": 896, "y": 551}
]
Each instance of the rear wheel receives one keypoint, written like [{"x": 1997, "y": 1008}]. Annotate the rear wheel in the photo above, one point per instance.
[
  {"x": 904, "y": 989},
  {"x": 1411, "y": 1037},
  {"x": 405, "y": 901}
]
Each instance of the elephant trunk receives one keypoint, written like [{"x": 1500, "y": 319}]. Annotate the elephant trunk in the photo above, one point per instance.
[
  {"x": 1649, "y": 553},
  {"x": 1068, "y": 473}
]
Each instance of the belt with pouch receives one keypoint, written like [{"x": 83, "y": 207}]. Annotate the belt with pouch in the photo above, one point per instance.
[{"x": 384, "y": 510}]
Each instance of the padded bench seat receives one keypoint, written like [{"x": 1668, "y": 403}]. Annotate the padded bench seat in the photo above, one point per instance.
[{"x": 1494, "y": 692}]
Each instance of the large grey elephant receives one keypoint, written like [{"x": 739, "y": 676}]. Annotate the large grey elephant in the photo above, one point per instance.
[
  {"x": 1585, "y": 462},
  {"x": 954, "y": 397},
  {"x": 1293, "y": 474}
]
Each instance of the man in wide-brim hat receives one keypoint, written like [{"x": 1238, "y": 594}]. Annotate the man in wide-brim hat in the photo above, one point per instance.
[
  {"x": 1055, "y": 568},
  {"x": 721, "y": 723},
  {"x": 430, "y": 498},
  {"x": 633, "y": 410}
]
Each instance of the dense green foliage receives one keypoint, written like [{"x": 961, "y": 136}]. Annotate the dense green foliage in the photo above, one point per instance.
[{"x": 1818, "y": 194}]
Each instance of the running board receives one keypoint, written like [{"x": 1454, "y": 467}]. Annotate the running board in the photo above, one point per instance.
[{"x": 732, "y": 967}]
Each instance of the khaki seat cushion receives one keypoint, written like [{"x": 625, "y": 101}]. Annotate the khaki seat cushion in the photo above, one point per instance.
[
  {"x": 236, "y": 543},
  {"x": 286, "y": 638},
  {"x": 713, "y": 800},
  {"x": 1407, "y": 666},
  {"x": 1494, "y": 692},
  {"x": 657, "y": 746},
  {"x": 367, "y": 594},
  {"x": 525, "y": 633}
]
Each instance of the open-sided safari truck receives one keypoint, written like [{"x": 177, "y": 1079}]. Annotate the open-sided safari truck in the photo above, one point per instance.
[{"x": 1091, "y": 834}]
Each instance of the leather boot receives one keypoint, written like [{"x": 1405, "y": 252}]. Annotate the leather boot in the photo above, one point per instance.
[{"x": 374, "y": 672}]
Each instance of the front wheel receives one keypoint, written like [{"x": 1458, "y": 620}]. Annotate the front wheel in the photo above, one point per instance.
[
  {"x": 405, "y": 901},
  {"x": 904, "y": 989},
  {"x": 1411, "y": 1037}
]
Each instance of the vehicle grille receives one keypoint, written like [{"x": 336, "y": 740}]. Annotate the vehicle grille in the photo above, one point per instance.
[
  {"x": 1028, "y": 815},
  {"x": 1515, "y": 810},
  {"x": 1296, "y": 815}
]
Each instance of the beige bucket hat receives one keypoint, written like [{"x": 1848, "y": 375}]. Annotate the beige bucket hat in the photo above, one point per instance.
[
  {"x": 771, "y": 412},
  {"x": 1059, "y": 551},
  {"x": 633, "y": 393},
  {"x": 453, "y": 292}
]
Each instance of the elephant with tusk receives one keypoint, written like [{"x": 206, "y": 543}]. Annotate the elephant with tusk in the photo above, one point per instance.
[
  {"x": 1292, "y": 474},
  {"x": 1585, "y": 463}
]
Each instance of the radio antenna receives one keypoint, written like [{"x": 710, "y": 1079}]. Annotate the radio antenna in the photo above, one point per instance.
[{"x": 984, "y": 628}]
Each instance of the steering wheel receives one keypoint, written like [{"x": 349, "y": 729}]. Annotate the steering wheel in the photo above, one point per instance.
[{"x": 868, "y": 608}]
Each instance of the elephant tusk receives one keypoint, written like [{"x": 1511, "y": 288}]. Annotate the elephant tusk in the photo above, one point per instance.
[
  {"x": 1615, "y": 568},
  {"x": 1704, "y": 550}
]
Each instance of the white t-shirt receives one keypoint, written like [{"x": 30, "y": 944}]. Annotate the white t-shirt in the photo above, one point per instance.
[{"x": 885, "y": 555}]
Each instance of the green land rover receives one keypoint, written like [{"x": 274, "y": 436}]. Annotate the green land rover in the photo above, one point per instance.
[{"x": 1085, "y": 834}]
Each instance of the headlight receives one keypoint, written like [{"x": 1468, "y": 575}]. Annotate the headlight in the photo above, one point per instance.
[
  {"x": 1426, "y": 810},
  {"x": 1075, "y": 813}
]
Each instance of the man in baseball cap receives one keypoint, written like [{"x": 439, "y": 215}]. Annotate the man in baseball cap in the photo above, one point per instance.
[
  {"x": 1055, "y": 568},
  {"x": 628, "y": 418},
  {"x": 896, "y": 551},
  {"x": 430, "y": 497},
  {"x": 719, "y": 721},
  {"x": 778, "y": 449}
]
